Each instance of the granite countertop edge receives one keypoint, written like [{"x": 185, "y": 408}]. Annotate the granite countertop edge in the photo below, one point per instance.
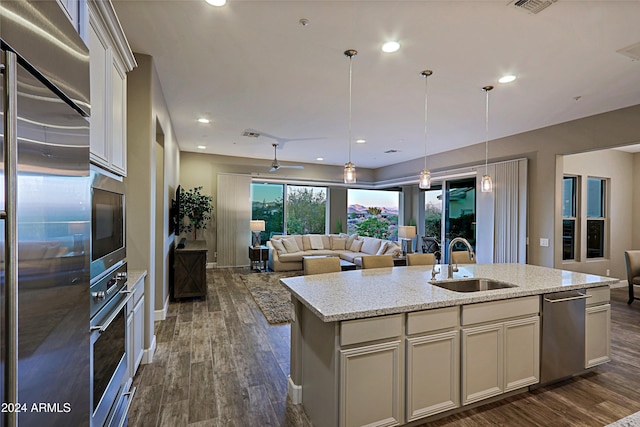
[{"x": 328, "y": 307}]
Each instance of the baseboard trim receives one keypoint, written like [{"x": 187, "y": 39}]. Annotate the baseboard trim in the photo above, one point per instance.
[
  {"x": 147, "y": 356},
  {"x": 294, "y": 391},
  {"x": 161, "y": 314}
]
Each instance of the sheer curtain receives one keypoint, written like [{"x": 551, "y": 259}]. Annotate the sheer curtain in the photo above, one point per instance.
[
  {"x": 233, "y": 216},
  {"x": 510, "y": 213}
]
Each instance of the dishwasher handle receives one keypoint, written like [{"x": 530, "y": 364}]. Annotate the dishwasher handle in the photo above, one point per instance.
[{"x": 579, "y": 296}]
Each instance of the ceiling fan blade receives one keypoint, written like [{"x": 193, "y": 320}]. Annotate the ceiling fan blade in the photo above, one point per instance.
[
  {"x": 273, "y": 169},
  {"x": 292, "y": 166}
]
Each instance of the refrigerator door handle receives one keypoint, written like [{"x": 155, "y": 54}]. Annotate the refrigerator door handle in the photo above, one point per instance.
[{"x": 11, "y": 240}]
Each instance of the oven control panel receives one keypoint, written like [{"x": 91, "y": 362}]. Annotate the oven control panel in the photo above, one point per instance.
[{"x": 106, "y": 288}]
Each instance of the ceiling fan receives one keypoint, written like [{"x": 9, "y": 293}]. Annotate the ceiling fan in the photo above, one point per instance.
[{"x": 275, "y": 164}]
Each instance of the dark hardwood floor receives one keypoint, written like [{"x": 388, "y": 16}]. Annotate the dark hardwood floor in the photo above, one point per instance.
[{"x": 219, "y": 363}]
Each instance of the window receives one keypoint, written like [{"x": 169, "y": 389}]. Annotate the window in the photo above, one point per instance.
[
  {"x": 306, "y": 210},
  {"x": 373, "y": 213},
  {"x": 303, "y": 209},
  {"x": 569, "y": 220},
  {"x": 596, "y": 217},
  {"x": 433, "y": 213}
]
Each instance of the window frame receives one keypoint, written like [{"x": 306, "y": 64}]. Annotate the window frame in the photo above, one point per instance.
[
  {"x": 575, "y": 218},
  {"x": 604, "y": 219}
]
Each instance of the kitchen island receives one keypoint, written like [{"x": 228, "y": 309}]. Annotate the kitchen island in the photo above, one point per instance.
[{"x": 386, "y": 347}]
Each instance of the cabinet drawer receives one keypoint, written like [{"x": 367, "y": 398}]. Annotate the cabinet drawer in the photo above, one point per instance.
[
  {"x": 498, "y": 310},
  {"x": 377, "y": 328},
  {"x": 432, "y": 320},
  {"x": 599, "y": 295}
]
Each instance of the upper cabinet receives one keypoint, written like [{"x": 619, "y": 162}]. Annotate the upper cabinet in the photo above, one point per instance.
[{"x": 111, "y": 59}]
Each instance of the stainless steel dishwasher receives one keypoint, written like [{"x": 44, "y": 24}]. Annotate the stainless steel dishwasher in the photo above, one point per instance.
[{"x": 563, "y": 330}]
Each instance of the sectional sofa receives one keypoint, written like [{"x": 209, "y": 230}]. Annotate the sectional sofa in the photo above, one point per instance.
[{"x": 286, "y": 252}]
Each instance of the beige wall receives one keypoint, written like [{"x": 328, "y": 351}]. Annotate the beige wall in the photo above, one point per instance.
[
  {"x": 146, "y": 108},
  {"x": 617, "y": 167}
]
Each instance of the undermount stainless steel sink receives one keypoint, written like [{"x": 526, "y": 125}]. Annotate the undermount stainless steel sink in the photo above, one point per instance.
[{"x": 471, "y": 285}]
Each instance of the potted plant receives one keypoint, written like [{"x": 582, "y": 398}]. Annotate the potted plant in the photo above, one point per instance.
[{"x": 197, "y": 207}]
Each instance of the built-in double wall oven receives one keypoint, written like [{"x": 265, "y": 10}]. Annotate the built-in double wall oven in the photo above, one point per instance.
[{"x": 109, "y": 298}]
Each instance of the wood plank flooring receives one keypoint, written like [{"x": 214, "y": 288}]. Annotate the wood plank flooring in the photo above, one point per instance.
[{"x": 219, "y": 363}]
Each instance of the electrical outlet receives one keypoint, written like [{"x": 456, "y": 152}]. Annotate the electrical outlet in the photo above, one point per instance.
[
  {"x": 215, "y": 255},
  {"x": 544, "y": 242},
  {"x": 608, "y": 272}
]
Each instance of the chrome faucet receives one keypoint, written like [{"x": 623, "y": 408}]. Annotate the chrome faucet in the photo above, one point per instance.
[{"x": 454, "y": 268}]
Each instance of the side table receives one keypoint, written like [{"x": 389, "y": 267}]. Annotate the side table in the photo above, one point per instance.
[
  {"x": 190, "y": 270},
  {"x": 259, "y": 255},
  {"x": 400, "y": 261}
]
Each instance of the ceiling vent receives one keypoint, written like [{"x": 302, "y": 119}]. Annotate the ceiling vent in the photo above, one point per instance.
[
  {"x": 632, "y": 51},
  {"x": 250, "y": 134},
  {"x": 532, "y": 6},
  {"x": 391, "y": 151}
]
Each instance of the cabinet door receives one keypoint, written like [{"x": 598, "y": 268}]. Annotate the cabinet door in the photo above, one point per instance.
[
  {"x": 433, "y": 374},
  {"x": 118, "y": 118},
  {"x": 371, "y": 385},
  {"x": 597, "y": 330},
  {"x": 482, "y": 362},
  {"x": 99, "y": 64},
  {"x": 521, "y": 353},
  {"x": 138, "y": 334},
  {"x": 130, "y": 339}
]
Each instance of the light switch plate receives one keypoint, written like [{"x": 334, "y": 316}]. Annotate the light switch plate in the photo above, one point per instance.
[{"x": 544, "y": 242}]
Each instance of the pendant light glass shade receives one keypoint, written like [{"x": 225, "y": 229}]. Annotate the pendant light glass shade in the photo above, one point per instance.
[
  {"x": 350, "y": 168},
  {"x": 425, "y": 175},
  {"x": 487, "y": 183},
  {"x": 349, "y": 173}
]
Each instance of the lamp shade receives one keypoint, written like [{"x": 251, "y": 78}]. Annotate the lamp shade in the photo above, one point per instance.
[
  {"x": 407, "y": 231},
  {"x": 257, "y": 225}
]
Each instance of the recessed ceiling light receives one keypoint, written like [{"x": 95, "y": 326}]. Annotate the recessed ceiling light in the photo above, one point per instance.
[
  {"x": 319, "y": 159},
  {"x": 390, "y": 47},
  {"x": 217, "y": 2},
  {"x": 202, "y": 147},
  {"x": 507, "y": 78},
  {"x": 360, "y": 141},
  {"x": 203, "y": 120}
]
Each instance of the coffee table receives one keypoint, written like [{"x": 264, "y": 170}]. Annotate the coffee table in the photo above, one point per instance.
[{"x": 346, "y": 265}]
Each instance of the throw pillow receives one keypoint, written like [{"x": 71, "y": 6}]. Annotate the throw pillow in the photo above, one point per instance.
[
  {"x": 350, "y": 239},
  {"x": 371, "y": 245},
  {"x": 290, "y": 245},
  {"x": 338, "y": 244},
  {"x": 278, "y": 246},
  {"x": 316, "y": 241},
  {"x": 383, "y": 248},
  {"x": 356, "y": 245},
  {"x": 393, "y": 249}
]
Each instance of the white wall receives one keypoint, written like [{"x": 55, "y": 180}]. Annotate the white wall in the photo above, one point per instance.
[{"x": 617, "y": 167}]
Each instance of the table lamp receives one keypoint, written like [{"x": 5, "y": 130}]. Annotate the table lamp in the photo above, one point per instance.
[
  {"x": 406, "y": 233},
  {"x": 256, "y": 227}
]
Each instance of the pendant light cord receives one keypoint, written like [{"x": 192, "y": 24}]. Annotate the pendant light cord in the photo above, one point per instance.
[
  {"x": 486, "y": 130},
  {"x": 350, "y": 82},
  {"x": 426, "y": 78}
]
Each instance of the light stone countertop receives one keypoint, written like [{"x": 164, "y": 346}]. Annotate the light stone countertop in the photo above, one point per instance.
[
  {"x": 133, "y": 276},
  {"x": 381, "y": 291}
]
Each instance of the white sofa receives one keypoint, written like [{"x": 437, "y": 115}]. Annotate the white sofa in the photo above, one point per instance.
[{"x": 286, "y": 252}]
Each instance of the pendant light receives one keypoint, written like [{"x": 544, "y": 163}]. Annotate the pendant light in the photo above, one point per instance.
[
  {"x": 425, "y": 175},
  {"x": 350, "y": 168},
  {"x": 487, "y": 183}
]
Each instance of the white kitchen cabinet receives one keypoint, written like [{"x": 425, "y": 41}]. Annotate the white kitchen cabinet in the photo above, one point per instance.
[
  {"x": 597, "y": 327},
  {"x": 371, "y": 385},
  {"x": 502, "y": 353},
  {"x": 110, "y": 60},
  {"x": 521, "y": 353},
  {"x": 135, "y": 325},
  {"x": 433, "y": 362}
]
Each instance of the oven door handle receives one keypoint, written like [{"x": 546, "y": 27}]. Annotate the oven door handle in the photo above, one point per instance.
[{"x": 102, "y": 328}]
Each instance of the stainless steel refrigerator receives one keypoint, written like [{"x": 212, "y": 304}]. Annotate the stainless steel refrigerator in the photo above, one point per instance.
[{"x": 45, "y": 214}]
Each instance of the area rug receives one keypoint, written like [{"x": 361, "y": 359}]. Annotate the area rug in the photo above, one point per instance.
[{"x": 271, "y": 297}]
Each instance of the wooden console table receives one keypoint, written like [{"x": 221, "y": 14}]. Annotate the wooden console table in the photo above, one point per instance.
[{"x": 190, "y": 270}]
